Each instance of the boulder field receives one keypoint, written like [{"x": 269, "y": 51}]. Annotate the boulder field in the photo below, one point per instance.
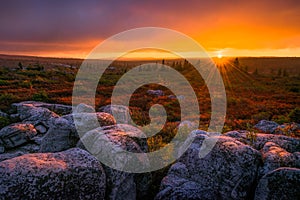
[{"x": 43, "y": 154}]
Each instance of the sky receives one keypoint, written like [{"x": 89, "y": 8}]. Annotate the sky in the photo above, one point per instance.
[{"x": 72, "y": 28}]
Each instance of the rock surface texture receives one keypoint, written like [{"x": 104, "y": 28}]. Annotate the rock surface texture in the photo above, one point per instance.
[
  {"x": 227, "y": 172},
  {"x": 120, "y": 184},
  {"x": 72, "y": 174},
  {"x": 282, "y": 183}
]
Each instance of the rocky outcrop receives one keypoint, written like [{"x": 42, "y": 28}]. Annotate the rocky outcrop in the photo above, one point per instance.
[
  {"x": 56, "y": 108},
  {"x": 258, "y": 140},
  {"x": 227, "y": 172},
  {"x": 120, "y": 184},
  {"x": 28, "y": 112},
  {"x": 86, "y": 122},
  {"x": 121, "y": 113},
  {"x": 266, "y": 126},
  {"x": 275, "y": 157},
  {"x": 61, "y": 135},
  {"x": 83, "y": 108},
  {"x": 16, "y": 134},
  {"x": 72, "y": 174},
  {"x": 282, "y": 183}
]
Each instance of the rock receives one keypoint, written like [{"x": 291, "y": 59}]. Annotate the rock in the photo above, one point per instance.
[
  {"x": 179, "y": 97},
  {"x": 121, "y": 113},
  {"x": 85, "y": 121},
  {"x": 61, "y": 135},
  {"x": 275, "y": 157},
  {"x": 16, "y": 134},
  {"x": 41, "y": 128},
  {"x": 122, "y": 130},
  {"x": 57, "y": 108},
  {"x": 156, "y": 92},
  {"x": 3, "y": 114},
  {"x": 15, "y": 117},
  {"x": 266, "y": 126},
  {"x": 289, "y": 129},
  {"x": 2, "y": 149},
  {"x": 72, "y": 174},
  {"x": 188, "y": 124},
  {"x": 83, "y": 108},
  {"x": 35, "y": 115},
  {"x": 282, "y": 183},
  {"x": 258, "y": 140},
  {"x": 120, "y": 184},
  {"x": 227, "y": 172},
  {"x": 10, "y": 155},
  {"x": 21, "y": 150}
]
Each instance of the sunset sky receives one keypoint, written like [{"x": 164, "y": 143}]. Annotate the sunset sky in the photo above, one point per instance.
[{"x": 73, "y": 28}]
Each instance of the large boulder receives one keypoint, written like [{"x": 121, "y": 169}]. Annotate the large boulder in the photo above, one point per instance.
[
  {"x": 266, "y": 126},
  {"x": 61, "y": 135},
  {"x": 57, "y": 108},
  {"x": 84, "y": 108},
  {"x": 27, "y": 148},
  {"x": 40, "y": 117},
  {"x": 258, "y": 140},
  {"x": 227, "y": 172},
  {"x": 86, "y": 121},
  {"x": 29, "y": 112},
  {"x": 121, "y": 113},
  {"x": 72, "y": 174},
  {"x": 16, "y": 134},
  {"x": 120, "y": 184},
  {"x": 275, "y": 157},
  {"x": 282, "y": 183}
]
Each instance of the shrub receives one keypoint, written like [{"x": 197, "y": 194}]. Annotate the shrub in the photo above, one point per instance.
[
  {"x": 41, "y": 96},
  {"x": 3, "y": 82},
  {"x": 280, "y": 119},
  {"x": 294, "y": 115},
  {"x": 4, "y": 122}
]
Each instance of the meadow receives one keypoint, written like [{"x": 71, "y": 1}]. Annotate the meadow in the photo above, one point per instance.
[{"x": 256, "y": 88}]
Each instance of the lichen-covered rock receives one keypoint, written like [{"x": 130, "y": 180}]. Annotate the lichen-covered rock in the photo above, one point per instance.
[
  {"x": 120, "y": 184},
  {"x": 227, "y": 172},
  {"x": 30, "y": 113},
  {"x": 83, "y": 108},
  {"x": 275, "y": 157},
  {"x": 10, "y": 155},
  {"x": 61, "y": 135},
  {"x": 282, "y": 183},
  {"x": 121, "y": 113},
  {"x": 86, "y": 121},
  {"x": 258, "y": 140},
  {"x": 16, "y": 134},
  {"x": 72, "y": 174},
  {"x": 266, "y": 126},
  {"x": 57, "y": 108}
]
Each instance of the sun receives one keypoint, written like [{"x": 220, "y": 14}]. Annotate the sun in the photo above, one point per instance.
[{"x": 220, "y": 55}]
